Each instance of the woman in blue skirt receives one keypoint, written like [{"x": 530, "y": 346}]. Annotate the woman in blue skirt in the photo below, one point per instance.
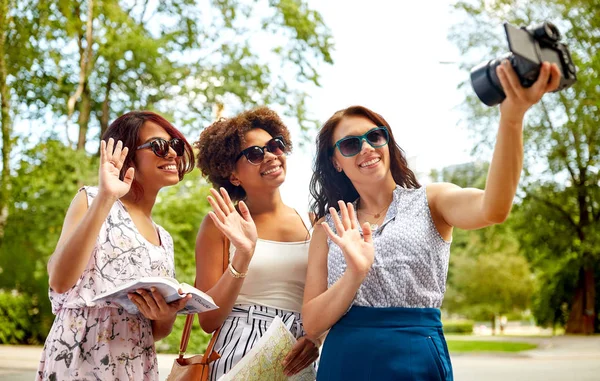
[{"x": 377, "y": 270}]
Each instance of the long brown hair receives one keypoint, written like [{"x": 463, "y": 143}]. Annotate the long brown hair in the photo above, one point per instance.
[{"x": 327, "y": 185}]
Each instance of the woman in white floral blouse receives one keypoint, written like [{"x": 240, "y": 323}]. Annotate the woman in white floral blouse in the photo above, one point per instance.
[{"x": 109, "y": 238}]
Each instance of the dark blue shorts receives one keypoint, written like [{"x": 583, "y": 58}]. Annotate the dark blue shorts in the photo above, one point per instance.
[{"x": 380, "y": 344}]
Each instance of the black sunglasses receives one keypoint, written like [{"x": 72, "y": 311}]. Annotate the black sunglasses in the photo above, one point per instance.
[
  {"x": 256, "y": 154},
  {"x": 160, "y": 146},
  {"x": 351, "y": 145}
]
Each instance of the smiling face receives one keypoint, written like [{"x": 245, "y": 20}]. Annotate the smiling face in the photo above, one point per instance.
[
  {"x": 370, "y": 165},
  {"x": 270, "y": 173},
  {"x": 151, "y": 170}
]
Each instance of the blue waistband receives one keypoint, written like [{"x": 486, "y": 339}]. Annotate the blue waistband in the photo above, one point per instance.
[{"x": 391, "y": 317}]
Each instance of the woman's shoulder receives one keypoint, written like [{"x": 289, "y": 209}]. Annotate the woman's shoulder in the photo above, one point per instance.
[
  {"x": 207, "y": 225},
  {"x": 435, "y": 190},
  {"x": 90, "y": 190},
  {"x": 84, "y": 197},
  {"x": 208, "y": 230}
]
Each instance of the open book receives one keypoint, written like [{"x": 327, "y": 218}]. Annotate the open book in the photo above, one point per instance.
[
  {"x": 264, "y": 360},
  {"x": 168, "y": 288}
]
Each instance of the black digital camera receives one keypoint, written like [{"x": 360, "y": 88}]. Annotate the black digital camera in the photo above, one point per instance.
[{"x": 529, "y": 47}]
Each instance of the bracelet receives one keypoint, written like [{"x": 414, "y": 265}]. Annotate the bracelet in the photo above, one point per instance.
[{"x": 234, "y": 273}]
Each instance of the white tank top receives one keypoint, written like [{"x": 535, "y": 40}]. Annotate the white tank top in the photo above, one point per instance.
[{"x": 276, "y": 274}]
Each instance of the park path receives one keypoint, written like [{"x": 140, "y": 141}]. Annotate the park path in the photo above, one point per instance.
[{"x": 559, "y": 358}]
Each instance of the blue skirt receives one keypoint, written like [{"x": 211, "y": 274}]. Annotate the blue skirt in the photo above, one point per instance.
[{"x": 379, "y": 344}]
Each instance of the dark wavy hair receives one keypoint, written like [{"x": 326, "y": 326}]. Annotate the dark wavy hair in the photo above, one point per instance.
[
  {"x": 221, "y": 142},
  {"x": 327, "y": 185},
  {"x": 126, "y": 128}
]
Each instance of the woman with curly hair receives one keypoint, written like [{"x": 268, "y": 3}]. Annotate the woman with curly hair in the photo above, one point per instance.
[{"x": 244, "y": 157}]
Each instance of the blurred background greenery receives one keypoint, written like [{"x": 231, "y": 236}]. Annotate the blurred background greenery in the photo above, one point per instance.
[{"x": 81, "y": 63}]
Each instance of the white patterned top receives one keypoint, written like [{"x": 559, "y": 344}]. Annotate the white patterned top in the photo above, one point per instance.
[
  {"x": 121, "y": 254},
  {"x": 411, "y": 257},
  {"x": 101, "y": 341}
]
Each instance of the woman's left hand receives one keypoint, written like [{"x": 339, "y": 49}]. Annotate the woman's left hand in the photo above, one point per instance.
[
  {"x": 303, "y": 354},
  {"x": 153, "y": 306},
  {"x": 518, "y": 98}
]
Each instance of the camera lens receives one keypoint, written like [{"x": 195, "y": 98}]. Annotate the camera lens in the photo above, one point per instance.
[
  {"x": 486, "y": 84},
  {"x": 553, "y": 32}
]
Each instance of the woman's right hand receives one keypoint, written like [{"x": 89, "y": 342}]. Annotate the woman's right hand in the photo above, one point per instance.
[
  {"x": 112, "y": 158},
  {"x": 358, "y": 250},
  {"x": 238, "y": 228}
]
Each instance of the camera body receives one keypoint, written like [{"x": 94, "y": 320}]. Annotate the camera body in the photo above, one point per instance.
[{"x": 529, "y": 47}]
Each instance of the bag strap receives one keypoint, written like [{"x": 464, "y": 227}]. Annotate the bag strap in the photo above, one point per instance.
[{"x": 189, "y": 320}]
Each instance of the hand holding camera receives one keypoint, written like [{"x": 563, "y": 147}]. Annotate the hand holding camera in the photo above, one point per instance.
[
  {"x": 519, "y": 99},
  {"x": 530, "y": 47}
]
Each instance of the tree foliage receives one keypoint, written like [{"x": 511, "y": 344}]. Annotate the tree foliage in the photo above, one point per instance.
[
  {"x": 183, "y": 58},
  {"x": 487, "y": 275},
  {"x": 46, "y": 180},
  {"x": 74, "y": 65},
  {"x": 560, "y": 187}
]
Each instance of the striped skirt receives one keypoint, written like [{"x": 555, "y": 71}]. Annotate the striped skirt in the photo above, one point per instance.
[
  {"x": 380, "y": 344},
  {"x": 242, "y": 329}
]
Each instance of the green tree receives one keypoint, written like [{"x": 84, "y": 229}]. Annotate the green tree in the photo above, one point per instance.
[
  {"x": 561, "y": 197},
  {"x": 84, "y": 62},
  {"x": 183, "y": 58},
  {"x": 46, "y": 180},
  {"x": 489, "y": 285},
  {"x": 17, "y": 54},
  {"x": 5, "y": 119},
  {"x": 487, "y": 276},
  {"x": 180, "y": 209}
]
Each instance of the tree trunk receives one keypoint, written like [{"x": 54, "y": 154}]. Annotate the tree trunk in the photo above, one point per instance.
[
  {"x": 5, "y": 120},
  {"x": 105, "y": 116},
  {"x": 85, "y": 67},
  {"x": 493, "y": 325},
  {"x": 85, "y": 109},
  {"x": 583, "y": 311}
]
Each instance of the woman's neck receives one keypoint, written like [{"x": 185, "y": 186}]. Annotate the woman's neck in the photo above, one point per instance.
[
  {"x": 375, "y": 197},
  {"x": 264, "y": 201},
  {"x": 143, "y": 204}
]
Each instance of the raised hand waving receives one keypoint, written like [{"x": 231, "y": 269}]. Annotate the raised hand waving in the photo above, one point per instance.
[
  {"x": 238, "y": 228},
  {"x": 358, "y": 250},
  {"x": 111, "y": 161}
]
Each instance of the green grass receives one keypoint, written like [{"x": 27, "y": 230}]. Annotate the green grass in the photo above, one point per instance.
[{"x": 488, "y": 346}]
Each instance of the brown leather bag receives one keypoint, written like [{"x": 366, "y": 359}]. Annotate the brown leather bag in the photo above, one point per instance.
[{"x": 196, "y": 367}]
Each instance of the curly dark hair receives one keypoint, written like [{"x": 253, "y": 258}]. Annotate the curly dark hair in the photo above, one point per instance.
[
  {"x": 221, "y": 142},
  {"x": 327, "y": 185}
]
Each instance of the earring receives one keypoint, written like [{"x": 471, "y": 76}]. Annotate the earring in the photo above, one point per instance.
[{"x": 337, "y": 168}]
